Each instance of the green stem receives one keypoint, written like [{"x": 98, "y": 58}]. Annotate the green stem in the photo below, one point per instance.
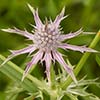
[
  {"x": 82, "y": 61},
  {"x": 30, "y": 83}
]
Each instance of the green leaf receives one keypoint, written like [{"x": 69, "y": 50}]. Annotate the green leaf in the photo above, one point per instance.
[
  {"x": 72, "y": 97},
  {"x": 30, "y": 83},
  {"x": 12, "y": 91},
  {"x": 94, "y": 98},
  {"x": 83, "y": 82},
  {"x": 12, "y": 97},
  {"x": 79, "y": 92},
  {"x": 80, "y": 89}
]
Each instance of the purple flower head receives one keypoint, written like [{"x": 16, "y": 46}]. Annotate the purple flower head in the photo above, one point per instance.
[{"x": 47, "y": 38}]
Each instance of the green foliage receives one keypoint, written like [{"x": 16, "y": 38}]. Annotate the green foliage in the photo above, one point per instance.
[{"x": 82, "y": 13}]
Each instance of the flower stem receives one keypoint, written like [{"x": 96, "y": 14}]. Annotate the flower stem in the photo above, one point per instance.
[
  {"x": 82, "y": 61},
  {"x": 30, "y": 83}
]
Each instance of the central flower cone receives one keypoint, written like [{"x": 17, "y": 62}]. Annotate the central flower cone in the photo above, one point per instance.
[{"x": 47, "y": 38}]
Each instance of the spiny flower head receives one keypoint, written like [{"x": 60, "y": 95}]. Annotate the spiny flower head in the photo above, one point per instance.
[{"x": 47, "y": 38}]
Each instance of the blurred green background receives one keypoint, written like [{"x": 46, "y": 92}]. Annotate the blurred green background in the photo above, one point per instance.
[{"x": 82, "y": 13}]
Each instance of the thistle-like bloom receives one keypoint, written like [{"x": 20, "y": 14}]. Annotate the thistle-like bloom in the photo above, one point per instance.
[{"x": 47, "y": 38}]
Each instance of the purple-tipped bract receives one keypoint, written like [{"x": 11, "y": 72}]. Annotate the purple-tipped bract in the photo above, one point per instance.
[{"x": 46, "y": 39}]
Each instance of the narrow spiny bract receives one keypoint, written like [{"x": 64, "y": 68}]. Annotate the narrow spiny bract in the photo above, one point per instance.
[{"x": 46, "y": 38}]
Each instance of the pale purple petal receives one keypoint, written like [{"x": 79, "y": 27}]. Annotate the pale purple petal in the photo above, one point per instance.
[
  {"x": 47, "y": 58},
  {"x": 20, "y": 32},
  {"x": 38, "y": 22},
  {"x": 70, "y": 35},
  {"x": 15, "y": 53},
  {"x": 59, "y": 18},
  {"x": 46, "y": 37},
  {"x": 76, "y": 48},
  {"x": 38, "y": 56},
  {"x": 57, "y": 56}
]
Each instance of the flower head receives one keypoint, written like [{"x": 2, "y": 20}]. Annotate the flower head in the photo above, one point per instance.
[{"x": 46, "y": 39}]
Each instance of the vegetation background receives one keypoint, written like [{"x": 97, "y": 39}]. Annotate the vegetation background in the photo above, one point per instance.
[{"x": 82, "y": 13}]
